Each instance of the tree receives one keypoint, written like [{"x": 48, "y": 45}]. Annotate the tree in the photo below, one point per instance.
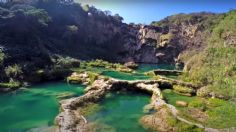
[
  {"x": 107, "y": 13},
  {"x": 118, "y": 18},
  {"x": 86, "y": 8},
  {"x": 13, "y": 71}
]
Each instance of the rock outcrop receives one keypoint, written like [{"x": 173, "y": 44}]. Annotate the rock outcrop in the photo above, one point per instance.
[
  {"x": 167, "y": 72},
  {"x": 71, "y": 120},
  {"x": 131, "y": 65},
  {"x": 79, "y": 78}
]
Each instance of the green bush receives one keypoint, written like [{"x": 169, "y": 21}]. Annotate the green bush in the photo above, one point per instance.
[
  {"x": 85, "y": 8},
  {"x": 66, "y": 62},
  {"x": 182, "y": 89},
  {"x": 92, "y": 77},
  {"x": 13, "y": 71},
  {"x": 40, "y": 14}
]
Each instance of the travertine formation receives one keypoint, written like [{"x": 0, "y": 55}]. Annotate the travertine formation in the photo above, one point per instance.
[{"x": 71, "y": 120}]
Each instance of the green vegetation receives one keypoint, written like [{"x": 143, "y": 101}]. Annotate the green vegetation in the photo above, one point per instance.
[
  {"x": 43, "y": 39},
  {"x": 40, "y": 14},
  {"x": 165, "y": 39},
  {"x": 86, "y": 8},
  {"x": 215, "y": 66},
  {"x": 105, "y": 64},
  {"x": 65, "y": 62},
  {"x": 179, "y": 125},
  {"x": 171, "y": 97},
  {"x": 197, "y": 103},
  {"x": 13, "y": 71},
  {"x": 11, "y": 84},
  {"x": 212, "y": 112},
  {"x": 183, "y": 90},
  {"x": 92, "y": 77},
  {"x": 90, "y": 109},
  {"x": 2, "y": 57},
  {"x": 204, "y": 19},
  {"x": 222, "y": 114}
]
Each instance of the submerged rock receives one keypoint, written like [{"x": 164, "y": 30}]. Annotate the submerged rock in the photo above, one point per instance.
[{"x": 65, "y": 95}]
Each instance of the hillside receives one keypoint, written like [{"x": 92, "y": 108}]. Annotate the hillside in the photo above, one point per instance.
[
  {"x": 185, "y": 62},
  {"x": 36, "y": 34},
  {"x": 215, "y": 65}
]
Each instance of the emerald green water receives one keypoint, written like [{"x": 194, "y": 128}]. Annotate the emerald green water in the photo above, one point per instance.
[
  {"x": 171, "y": 97},
  {"x": 34, "y": 107},
  {"x": 122, "y": 112},
  {"x": 38, "y": 105},
  {"x": 139, "y": 73},
  {"x": 125, "y": 76},
  {"x": 149, "y": 67}
]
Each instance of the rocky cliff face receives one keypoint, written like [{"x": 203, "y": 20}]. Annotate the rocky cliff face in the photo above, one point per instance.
[
  {"x": 34, "y": 33},
  {"x": 159, "y": 43}
]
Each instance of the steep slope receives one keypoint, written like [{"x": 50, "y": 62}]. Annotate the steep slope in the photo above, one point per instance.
[
  {"x": 215, "y": 66},
  {"x": 39, "y": 34},
  {"x": 164, "y": 41}
]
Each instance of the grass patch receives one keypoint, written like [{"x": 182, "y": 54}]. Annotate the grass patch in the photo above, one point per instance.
[
  {"x": 14, "y": 84},
  {"x": 171, "y": 97},
  {"x": 222, "y": 114}
]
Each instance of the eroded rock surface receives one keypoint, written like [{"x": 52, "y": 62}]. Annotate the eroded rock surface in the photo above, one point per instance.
[{"x": 71, "y": 120}]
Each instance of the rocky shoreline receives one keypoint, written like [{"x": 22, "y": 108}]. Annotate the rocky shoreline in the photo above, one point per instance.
[{"x": 71, "y": 119}]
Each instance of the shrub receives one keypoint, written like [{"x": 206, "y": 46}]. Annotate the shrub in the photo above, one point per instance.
[
  {"x": 85, "y": 8},
  {"x": 66, "y": 62},
  {"x": 13, "y": 71},
  {"x": 182, "y": 89},
  {"x": 92, "y": 77},
  {"x": 11, "y": 84}
]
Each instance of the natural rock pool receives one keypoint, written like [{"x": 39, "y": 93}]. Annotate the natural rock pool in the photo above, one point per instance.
[
  {"x": 38, "y": 105},
  {"x": 121, "y": 112},
  {"x": 125, "y": 76},
  {"x": 34, "y": 107}
]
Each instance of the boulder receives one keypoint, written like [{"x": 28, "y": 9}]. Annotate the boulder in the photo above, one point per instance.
[
  {"x": 181, "y": 103},
  {"x": 159, "y": 121},
  {"x": 131, "y": 65},
  {"x": 79, "y": 78},
  {"x": 184, "y": 90}
]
